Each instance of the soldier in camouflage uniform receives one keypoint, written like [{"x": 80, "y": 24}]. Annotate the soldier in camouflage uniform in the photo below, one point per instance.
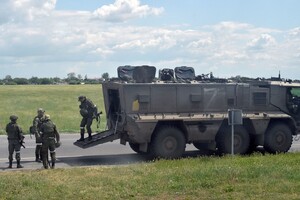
[
  {"x": 50, "y": 140},
  {"x": 15, "y": 138},
  {"x": 87, "y": 110},
  {"x": 37, "y": 122}
]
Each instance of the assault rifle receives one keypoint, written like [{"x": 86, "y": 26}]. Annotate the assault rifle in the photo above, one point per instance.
[
  {"x": 22, "y": 144},
  {"x": 22, "y": 141},
  {"x": 98, "y": 118},
  {"x": 21, "y": 138}
]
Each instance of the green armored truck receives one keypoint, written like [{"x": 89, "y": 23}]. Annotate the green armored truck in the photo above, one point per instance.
[{"x": 159, "y": 116}]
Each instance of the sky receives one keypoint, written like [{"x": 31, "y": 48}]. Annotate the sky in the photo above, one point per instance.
[{"x": 51, "y": 38}]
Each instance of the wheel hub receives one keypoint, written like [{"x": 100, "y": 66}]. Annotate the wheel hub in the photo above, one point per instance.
[
  {"x": 170, "y": 143},
  {"x": 279, "y": 138},
  {"x": 237, "y": 142}
]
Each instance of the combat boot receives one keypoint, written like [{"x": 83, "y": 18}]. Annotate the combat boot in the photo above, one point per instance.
[
  {"x": 10, "y": 164},
  {"x": 37, "y": 158},
  {"x": 90, "y": 137},
  {"x": 45, "y": 164},
  {"x": 81, "y": 137},
  {"x": 53, "y": 165},
  {"x": 19, "y": 165},
  {"x": 90, "y": 134}
]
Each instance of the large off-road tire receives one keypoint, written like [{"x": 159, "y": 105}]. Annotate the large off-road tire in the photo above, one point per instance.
[
  {"x": 168, "y": 142},
  {"x": 135, "y": 147},
  {"x": 241, "y": 140},
  {"x": 278, "y": 138}
]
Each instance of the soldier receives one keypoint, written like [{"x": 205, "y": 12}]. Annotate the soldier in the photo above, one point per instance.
[
  {"x": 50, "y": 140},
  {"x": 15, "y": 140},
  {"x": 88, "y": 111},
  {"x": 37, "y": 122}
]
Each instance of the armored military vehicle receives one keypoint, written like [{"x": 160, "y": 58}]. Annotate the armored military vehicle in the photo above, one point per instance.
[{"x": 160, "y": 116}]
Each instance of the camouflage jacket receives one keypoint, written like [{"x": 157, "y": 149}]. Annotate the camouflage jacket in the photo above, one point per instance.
[
  {"x": 88, "y": 106},
  {"x": 37, "y": 122},
  {"x": 14, "y": 132},
  {"x": 48, "y": 129}
]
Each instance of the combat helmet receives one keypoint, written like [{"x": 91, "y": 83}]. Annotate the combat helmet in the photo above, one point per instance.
[
  {"x": 40, "y": 110},
  {"x": 47, "y": 117},
  {"x": 81, "y": 98},
  {"x": 13, "y": 118}
]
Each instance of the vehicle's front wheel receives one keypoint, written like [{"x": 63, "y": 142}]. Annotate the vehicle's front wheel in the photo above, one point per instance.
[
  {"x": 136, "y": 148},
  {"x": 278, "y": 138},
  {"x": 168, "y": 142}
]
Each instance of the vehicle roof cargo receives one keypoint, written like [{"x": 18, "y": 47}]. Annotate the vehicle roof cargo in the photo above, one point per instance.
[
  {"x": 144, "y": 74},
  {"x": 137, "y": 74},
  {"x": 166, "y": 74},
  {"x": 125, "y": 73},
  {"x": 184, "y": 73}
]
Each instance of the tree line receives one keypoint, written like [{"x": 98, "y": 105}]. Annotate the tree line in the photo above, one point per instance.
[{"x": 71, "y": 79}]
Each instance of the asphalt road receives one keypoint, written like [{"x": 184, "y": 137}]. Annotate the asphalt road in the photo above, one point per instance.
[{"x": 68, "y": 155}]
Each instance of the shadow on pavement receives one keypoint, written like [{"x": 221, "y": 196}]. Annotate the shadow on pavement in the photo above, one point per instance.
[
  {"x": 107, "y": 160},
  {"x": 121, "y": 159}
]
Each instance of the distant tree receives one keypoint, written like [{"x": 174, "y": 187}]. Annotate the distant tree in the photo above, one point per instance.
[
  {"x": 34, "y": 80},
  {"x": 46, "y": 81},
  {"x": 105, "y": 75},
  {"x": 56, "y": 80},
  {"x": 11, "y": 83},
  {"x": 8, "y": 77},
  {"x": 71, "y": 76},
  {"x": 79, "y": 77},
  {"x": 72, "y": 79},
  {"x": 74, "y": 82},
  {"x": 21, "y": 81}
]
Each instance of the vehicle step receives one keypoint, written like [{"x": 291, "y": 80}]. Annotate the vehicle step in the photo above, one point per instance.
[{"x": 98, "y": 138}]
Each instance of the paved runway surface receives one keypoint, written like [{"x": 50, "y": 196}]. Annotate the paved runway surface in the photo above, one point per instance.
[{"x": 68, "y": 155}]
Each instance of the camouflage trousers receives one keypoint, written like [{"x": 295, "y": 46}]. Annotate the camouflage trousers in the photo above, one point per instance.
[
  {"x": 14, "y": 145},
  {"x": 38, "y": 148},
  {"x": 48, "y": 144},
  {"x": 86, "y": 121}
]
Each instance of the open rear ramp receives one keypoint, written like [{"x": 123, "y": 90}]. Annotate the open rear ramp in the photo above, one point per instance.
[{"x": 99, "y": 138}]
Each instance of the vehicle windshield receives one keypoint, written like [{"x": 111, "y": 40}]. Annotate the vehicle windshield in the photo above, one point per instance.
[
  {"x": 295, "y": 92},
  {"x": 293, "y": 100}
]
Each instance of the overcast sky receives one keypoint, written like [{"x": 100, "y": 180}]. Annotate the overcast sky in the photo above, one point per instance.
[{"x": 49, "y": 38}]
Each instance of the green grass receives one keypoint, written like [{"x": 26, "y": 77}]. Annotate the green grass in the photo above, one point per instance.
[
  {"x": 59, "y": 101},
  {"x": 253, "y": 177}
]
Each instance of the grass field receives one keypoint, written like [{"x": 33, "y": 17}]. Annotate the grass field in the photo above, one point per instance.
[
  {"x": 59, "y": 101},
  {"x": 255, "y": 177}
]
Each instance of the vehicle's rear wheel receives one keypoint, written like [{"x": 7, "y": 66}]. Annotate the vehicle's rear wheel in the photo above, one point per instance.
[
  {"x": 168, "y": 142},
  {"x": 241, "y": 140},
  {"x": 278, "y": 138}
]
